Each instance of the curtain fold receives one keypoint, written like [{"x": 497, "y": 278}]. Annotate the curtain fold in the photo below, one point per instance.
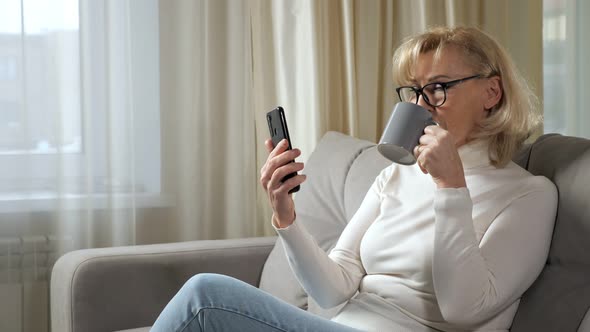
[{"x": 209, "y": 138}]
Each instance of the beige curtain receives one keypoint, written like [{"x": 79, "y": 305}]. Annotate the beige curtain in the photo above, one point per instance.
[
  {"x": 329, "y": 62},
  {"x": 225, "y": 63},
  {"x": 208, "y": 123}
]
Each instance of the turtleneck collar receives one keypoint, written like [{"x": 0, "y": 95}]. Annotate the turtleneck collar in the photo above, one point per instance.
[{"x": 474, "y": 154}]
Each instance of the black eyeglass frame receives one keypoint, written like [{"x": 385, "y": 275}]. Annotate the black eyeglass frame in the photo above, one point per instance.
[{"x": 445, "y": 85}]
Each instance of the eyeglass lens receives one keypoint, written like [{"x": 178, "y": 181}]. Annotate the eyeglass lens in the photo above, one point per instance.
[{"x": 433, "y": 93}]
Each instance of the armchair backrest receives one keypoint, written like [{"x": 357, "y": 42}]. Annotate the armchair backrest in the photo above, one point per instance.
[{"x": 560, "y": 297}]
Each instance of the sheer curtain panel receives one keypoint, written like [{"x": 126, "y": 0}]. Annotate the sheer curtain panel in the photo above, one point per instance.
[
  {"x": 123, "y": 122},
  {"x": 80, "y": 138},
  {"x": 566, "y": 71}
]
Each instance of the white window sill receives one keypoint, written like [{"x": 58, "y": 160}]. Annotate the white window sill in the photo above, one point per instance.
[{"x": 40, "y": 202}]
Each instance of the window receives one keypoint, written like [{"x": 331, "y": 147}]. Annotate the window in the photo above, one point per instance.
[
  {"x": 554, "y": 68},
  {"x": 79, "y": 98},
  {"x": 565, "y": 67}
]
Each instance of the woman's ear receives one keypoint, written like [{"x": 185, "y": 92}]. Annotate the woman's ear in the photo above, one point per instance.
[{"x": 493, "y": 92}]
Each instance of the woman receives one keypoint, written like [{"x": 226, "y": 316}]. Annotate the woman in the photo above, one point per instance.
[{"x": 448, "y": 244}]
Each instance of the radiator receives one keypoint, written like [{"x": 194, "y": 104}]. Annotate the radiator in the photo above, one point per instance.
[{"x": 25, "y": 268}]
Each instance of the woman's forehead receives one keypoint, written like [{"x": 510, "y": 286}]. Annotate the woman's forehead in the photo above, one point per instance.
[{"x": 446, "y": 63}]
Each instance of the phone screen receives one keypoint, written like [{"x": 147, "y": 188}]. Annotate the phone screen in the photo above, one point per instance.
[{"x": 277, "y": 126}]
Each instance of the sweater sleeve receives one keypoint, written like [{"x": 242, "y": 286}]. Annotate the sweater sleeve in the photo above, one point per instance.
[
  {"x": 475, "y": 281},
  {"x": 331, "y": 279}
]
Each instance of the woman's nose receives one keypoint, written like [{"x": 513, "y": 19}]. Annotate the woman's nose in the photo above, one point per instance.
[{"x": 423, "y": 102}]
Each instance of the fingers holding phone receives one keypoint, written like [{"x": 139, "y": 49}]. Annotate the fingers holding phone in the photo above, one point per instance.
[
  {"x": 277, "y": 127},
  {"x": 279, "y": 176},
  {"x": 278, "y": 185},
  {"x": 284, "y": 169}
]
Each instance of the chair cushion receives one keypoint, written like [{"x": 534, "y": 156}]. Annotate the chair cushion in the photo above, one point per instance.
[
  {"x": 560, "y": 297},
  {"x": 336, "y": 183}
]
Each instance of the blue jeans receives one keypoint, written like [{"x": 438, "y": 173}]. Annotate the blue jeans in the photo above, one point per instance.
[{"x": 213, "y": 302}]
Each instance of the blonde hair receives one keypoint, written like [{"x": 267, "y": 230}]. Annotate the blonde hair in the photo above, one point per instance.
[{"x": 514, "y": 118}]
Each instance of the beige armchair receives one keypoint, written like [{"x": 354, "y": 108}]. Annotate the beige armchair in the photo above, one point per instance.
[{"x": 122, "y": 288}]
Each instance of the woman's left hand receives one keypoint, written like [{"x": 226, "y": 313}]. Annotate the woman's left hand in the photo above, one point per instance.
[{"x": 437, "y": 155}]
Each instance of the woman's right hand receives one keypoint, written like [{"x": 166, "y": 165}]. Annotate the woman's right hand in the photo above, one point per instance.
[{"x": 277, "y": 166}]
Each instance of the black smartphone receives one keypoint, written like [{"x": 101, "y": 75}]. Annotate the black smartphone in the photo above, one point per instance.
[{"x": 277, "y": 126}]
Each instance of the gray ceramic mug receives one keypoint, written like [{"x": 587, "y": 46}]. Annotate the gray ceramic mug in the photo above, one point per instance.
[{"x": 400, "y": 137}]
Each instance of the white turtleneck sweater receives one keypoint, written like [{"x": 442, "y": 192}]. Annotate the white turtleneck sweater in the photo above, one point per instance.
[{"x": 416, "y": 257}]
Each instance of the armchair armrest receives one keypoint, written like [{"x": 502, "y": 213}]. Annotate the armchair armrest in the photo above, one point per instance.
[{"x": 120, "y": 288}]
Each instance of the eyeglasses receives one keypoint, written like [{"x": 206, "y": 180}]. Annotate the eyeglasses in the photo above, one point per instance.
[{"x": 434, "y": 94}]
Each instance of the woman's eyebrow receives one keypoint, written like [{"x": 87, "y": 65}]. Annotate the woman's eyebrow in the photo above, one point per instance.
[
  {"x": 414, "y": 82},
  {"x": 438, "y": 77}
]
